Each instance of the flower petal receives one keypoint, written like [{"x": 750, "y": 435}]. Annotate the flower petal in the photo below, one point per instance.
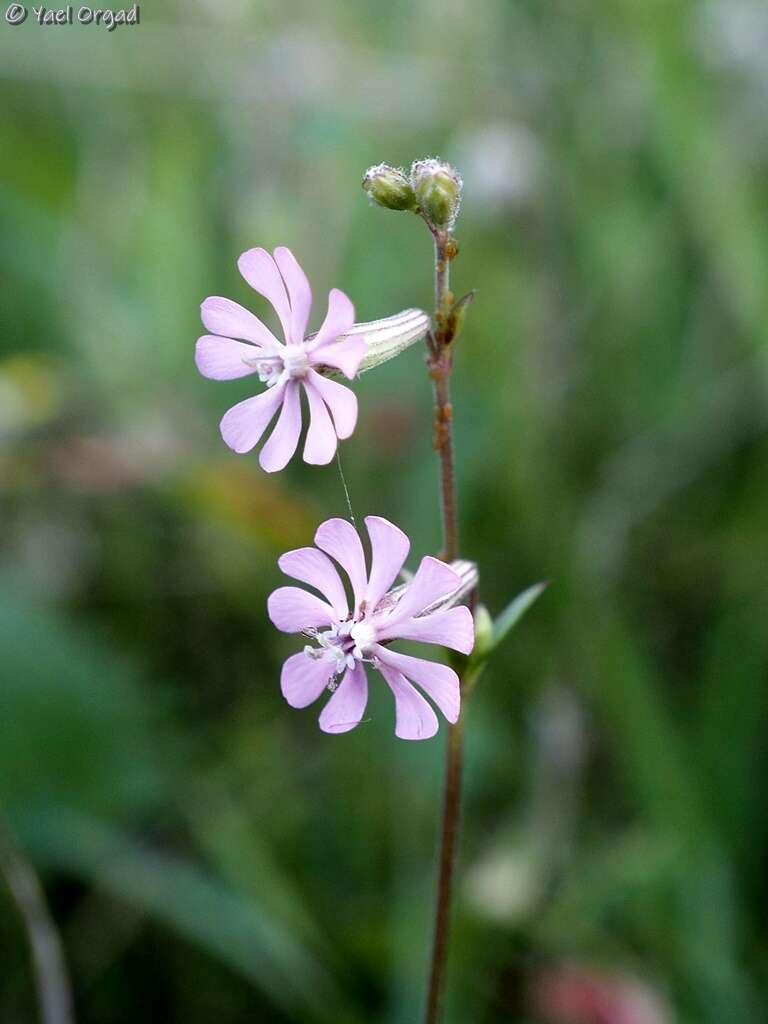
[
  {"x": 243, "y": 424},
  {"x": 432, "y": 580},
  {"x": 340, "y": 400},
  {"x": 313, "y": 567},
  {"x": 282, "y": 442},
  {"x": 338, "y": 320},
  {"x": 389, "y": 549},
  {"x": 260, "y": 271},
  {"x": 292, "y": 609},
  {"x": 345, "y": 355},
  {"x": 231, "y": 320},
  {"x": 224, "y": 359},
  {"x": 299, "y": 293},
  {"x": 345, "y": 708},
  {"x": 414, "y": 717},
  {"x": 320, "y": 445},
  {"x": 452, "y": 628},
  {"x": 339, "y": 539},
  {"x": 438, "y": 681},
  {"x": 303, "y": 678}
]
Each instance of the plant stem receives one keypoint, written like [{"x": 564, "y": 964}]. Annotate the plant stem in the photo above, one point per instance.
[
  {"x": 454, "y": 757},
  {"x": 443, "y": 414},
  {"x": 51, "y": 979},
  {"x": 440, "y": 363}
]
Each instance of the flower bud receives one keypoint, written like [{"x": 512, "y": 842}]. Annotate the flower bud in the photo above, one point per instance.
[
  {"x": 438, "y": 191},
  {"x": 483, "y": 633},
  {"x": 389, "y": 187}
]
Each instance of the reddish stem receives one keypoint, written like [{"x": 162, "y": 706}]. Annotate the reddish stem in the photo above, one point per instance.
[{"x": 440, "y": 363}]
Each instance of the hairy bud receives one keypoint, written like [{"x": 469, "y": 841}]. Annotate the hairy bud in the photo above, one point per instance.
[
  {"x": 438, "y": 191},
  {"x": 389, "y": 187}
]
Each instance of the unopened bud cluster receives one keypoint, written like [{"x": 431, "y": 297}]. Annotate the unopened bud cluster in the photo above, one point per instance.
[{"x": 433, "y": 188}]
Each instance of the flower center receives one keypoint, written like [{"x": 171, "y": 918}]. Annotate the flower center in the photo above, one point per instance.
[
  {"x": 295, "y": 362},
  {"x": 346, "y": 643},
  {"x": 363, "y": 635},
  {"x": 290, "y": 363}
]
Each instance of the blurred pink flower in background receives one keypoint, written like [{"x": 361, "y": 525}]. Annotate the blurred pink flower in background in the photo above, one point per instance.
[
  {"x": 581, "y": 994},
  {"x": 347, "y": 636},
  {"x": 282, "y": 366}
]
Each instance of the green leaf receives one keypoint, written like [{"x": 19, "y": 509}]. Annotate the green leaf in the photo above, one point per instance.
[
  {"x": 458, "y": 315},
  {"x": 514, "y": 611},
  {"x": 195, "y": 903},
  {"x": 503, "y": 624},
  {"x": 79, "y": 722}
]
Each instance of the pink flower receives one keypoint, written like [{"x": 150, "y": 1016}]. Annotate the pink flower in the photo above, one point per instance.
[
  {"x": 581, "y": 994},
  {"x": 349, "y": 636},
  {"x": 283, "y": 367}
]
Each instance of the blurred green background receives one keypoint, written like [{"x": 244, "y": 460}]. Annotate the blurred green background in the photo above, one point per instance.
[{"x": 209, "y": 854}]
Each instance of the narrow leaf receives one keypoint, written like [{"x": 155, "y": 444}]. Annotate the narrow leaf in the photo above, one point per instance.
[
  {"x": 458, "y": 314},
  {"x": 514, "y": 611},
  {"x": 486, "y": 644}
]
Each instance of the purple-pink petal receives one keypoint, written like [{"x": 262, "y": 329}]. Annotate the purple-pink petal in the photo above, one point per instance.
[
  {"x": 282, "y": 442},
  {"x": 292, "y": 610},
  {"x": 320, "y": 444},
  {"x": 299, "y": 293},
  {"x": 345, "y": 355},
  {"x": 261, "y": 272},
  {"x": 433, "y": 580},
  {"x": 339, "y": 539},
  {"x": 340, "y": 400},
  {"x": 224, "y": 359},
  {"x": 450, "y": 628},
  {"x": 316, "y": 569},
  {"x": 414, "y": 717},
  {"x": 338, "y": 320},
  {"x": 389, "y": 549},
  {"x": 304, "y": 678},
  {"x": 347, "y": 705},
  {"x": 243, "y": 425},
  {"x": 439, "y": 682},
  {"x": 231, "y": 320}
]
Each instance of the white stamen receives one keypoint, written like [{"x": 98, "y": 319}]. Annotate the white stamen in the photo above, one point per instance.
[
  {"x": 334, "y": 644},
  {"x": 289, "y": 363}
]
